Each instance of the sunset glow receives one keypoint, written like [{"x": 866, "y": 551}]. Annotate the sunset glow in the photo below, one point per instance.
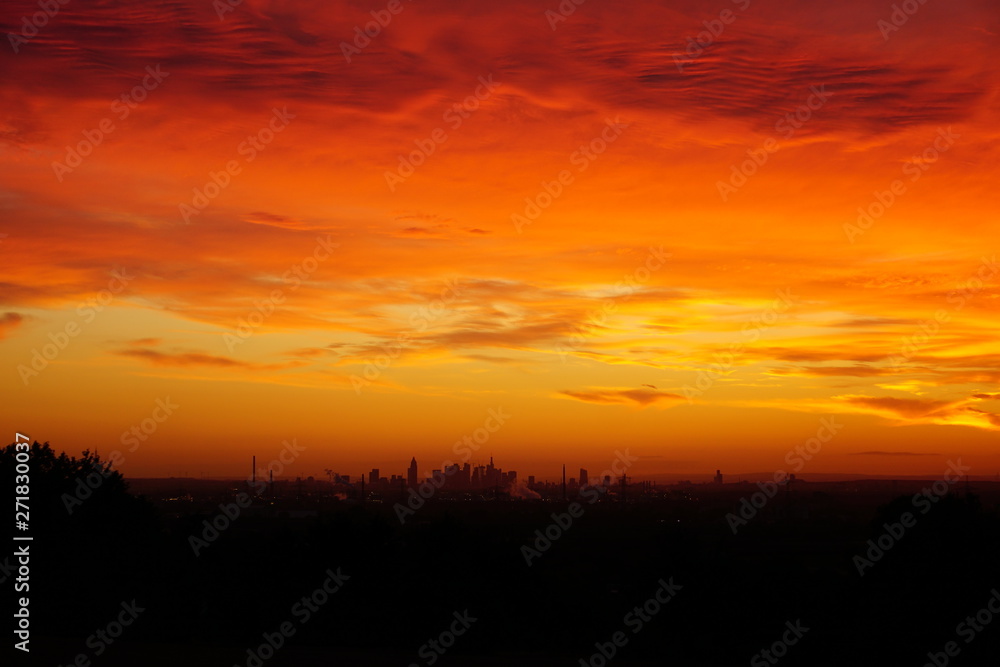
[{"x": 618, "y": 230}]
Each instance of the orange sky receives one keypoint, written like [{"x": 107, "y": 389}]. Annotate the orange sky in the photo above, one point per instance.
[{"x": 657, "y": 302}]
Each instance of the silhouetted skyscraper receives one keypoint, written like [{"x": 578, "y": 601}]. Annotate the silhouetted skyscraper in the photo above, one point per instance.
[
  {"x": 492, "y": 474},
  {"x": 411, "y": 474},
  {"x": 583, "y": 477}
]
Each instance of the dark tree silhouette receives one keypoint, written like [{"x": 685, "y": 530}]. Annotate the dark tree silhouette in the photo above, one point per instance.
[{"x": 93, "y": 543}]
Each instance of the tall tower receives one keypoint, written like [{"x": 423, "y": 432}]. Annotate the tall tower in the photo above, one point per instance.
[
  {"x": 583, "y": 477},
  {"x": 564, "y": 481},
  {"x": 411, "y": 474}
]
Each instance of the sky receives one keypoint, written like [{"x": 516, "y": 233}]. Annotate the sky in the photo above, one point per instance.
[{"x": 708, "y": 233}]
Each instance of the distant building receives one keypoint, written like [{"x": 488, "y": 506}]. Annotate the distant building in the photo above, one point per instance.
[
  {"x": 411, "y": 474},
  {"x": 452, "y": 475},
  {"x": 492, "y": 475},
  {"x": 583, "y": 477},
  {"x": 718, "y": 477},
  {"x": 373, "y": 476}
]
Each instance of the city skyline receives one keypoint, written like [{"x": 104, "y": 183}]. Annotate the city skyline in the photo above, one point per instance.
[{"x": 392, "y": 477}]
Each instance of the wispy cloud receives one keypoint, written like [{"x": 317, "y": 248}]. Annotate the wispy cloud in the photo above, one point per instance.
[
  {"x": 877, "y": 453},
  {"x": 641, "y": 397},
  {"x": 9, "y": 322}
]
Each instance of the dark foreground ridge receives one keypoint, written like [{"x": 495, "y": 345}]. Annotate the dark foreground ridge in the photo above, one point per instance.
[{"x": 197, "y": 572}]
